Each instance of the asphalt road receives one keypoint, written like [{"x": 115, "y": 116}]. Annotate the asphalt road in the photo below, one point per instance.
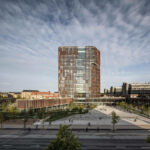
[
  {"x": 39, "y": 139},
  {"x": 87, "y": 144}
]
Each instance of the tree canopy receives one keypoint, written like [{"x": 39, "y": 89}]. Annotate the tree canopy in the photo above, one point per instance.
[
  {"x": 65, "y": 140},
  {"x": 115, "y": 119}
]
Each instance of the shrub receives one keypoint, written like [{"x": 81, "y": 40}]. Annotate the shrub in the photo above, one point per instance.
[{"x": 148, "y": 139}]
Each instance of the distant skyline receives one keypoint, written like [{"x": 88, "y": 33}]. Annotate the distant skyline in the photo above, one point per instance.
[{"x": 32, "y": 31}]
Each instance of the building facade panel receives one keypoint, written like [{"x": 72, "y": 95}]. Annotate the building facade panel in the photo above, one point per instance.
[
  {"x": 78, "y": 71},
  {"x": 42, "y": 103}
]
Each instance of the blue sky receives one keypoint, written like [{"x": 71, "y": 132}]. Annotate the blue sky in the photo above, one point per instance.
[{"x": 32, "y": 30}]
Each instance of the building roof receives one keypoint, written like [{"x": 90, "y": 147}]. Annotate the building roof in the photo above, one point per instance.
[
  {"x": 30, "y": 91},
  {"x": 15, "y": 92},
  {"x": 41, "y": 93}
]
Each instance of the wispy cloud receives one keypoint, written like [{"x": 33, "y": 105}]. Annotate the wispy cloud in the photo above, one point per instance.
[{"x": 31, "y": 31}]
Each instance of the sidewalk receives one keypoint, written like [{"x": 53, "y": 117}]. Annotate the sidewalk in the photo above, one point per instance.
[
  {"x": 49, "y": 134},
  {"x": 79, "y": 127}
]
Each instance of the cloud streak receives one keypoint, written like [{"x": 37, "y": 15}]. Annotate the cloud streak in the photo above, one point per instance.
[{"x": 31, "y": 31}]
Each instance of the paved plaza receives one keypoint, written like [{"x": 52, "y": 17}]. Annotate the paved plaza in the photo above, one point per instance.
[{"x": 101, "y": 115}]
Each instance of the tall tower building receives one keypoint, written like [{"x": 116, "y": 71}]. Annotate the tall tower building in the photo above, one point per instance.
[{"x": 79, "y": 71}]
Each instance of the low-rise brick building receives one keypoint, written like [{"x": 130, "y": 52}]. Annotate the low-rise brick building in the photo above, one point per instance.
[{"x": 42, "y": 103}]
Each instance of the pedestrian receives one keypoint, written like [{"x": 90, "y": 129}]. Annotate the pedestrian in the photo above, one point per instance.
[
  {"x": 36, "y": 126},
  {"x": 86, "y": 129}
]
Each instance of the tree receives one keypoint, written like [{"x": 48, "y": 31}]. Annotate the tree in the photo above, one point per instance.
[
  {"x": 4, "y": 107},
  {"x": 2, "y": 118},
  {"x": 130, "y": 107},
  {"x": 19, "y": 97},
  {"x": 143, "y": 109},
  {"x": 25, "y": 118},
  {"x": 148, "y": 139},
  {"x": 72, "y": 106},
  {"x": 41, "y": 113},
  {"x": 13, "y": 111},
  {"x": 123, "y": 105},
  {"x": 117, "y": 103},
  {"x": 115, "y": 119},
  {"x": 80, "y": 110},
  {"x": 43, "y": 116},
  {"x": 65, "y": 140},
  {"x": 31, "y": 112},
  {"x": 148, "y": 110}
]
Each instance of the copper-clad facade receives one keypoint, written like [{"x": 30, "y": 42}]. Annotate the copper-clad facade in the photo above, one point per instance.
[
  {"x": 42, "y": 103},
  {"x": 79, "y": 72}
]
